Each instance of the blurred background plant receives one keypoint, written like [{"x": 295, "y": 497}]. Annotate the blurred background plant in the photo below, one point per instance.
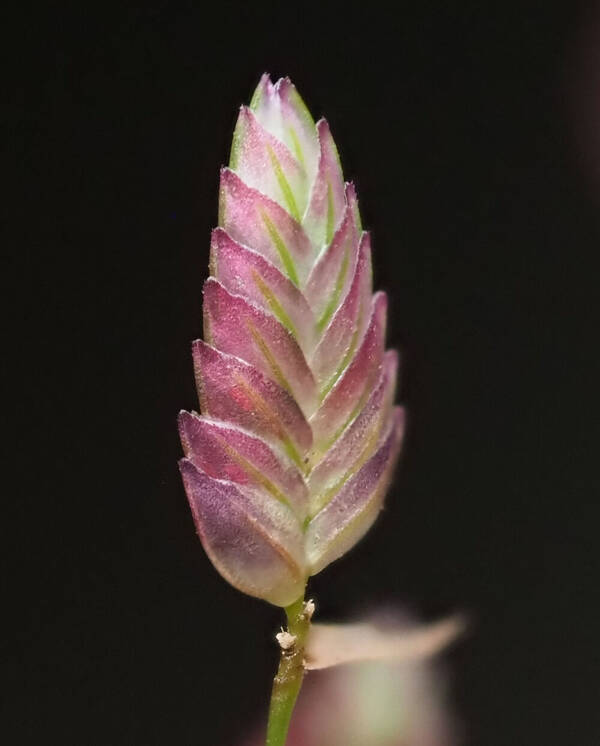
[{"x": 379, "y": 703}]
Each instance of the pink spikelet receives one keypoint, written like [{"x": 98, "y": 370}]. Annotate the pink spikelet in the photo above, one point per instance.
[{"x": 288, "y": 463}]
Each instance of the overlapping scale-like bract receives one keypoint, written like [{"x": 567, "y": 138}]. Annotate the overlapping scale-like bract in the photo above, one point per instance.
[{"x": 287, "y": 465}]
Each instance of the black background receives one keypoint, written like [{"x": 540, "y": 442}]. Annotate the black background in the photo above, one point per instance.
[{"x": 459, "y": 123}]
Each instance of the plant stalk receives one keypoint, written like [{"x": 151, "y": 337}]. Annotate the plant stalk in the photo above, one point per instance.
[{"x": 288, "y": 680}]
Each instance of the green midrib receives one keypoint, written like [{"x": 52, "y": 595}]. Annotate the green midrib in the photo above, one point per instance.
[{"x": 284, "y": 185}]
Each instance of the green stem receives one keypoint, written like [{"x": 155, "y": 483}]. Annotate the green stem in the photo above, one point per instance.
[{"x": 290, "y": 673}]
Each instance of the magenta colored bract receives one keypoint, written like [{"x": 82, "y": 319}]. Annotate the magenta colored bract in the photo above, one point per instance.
[{"x": 287, "y": 465}]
